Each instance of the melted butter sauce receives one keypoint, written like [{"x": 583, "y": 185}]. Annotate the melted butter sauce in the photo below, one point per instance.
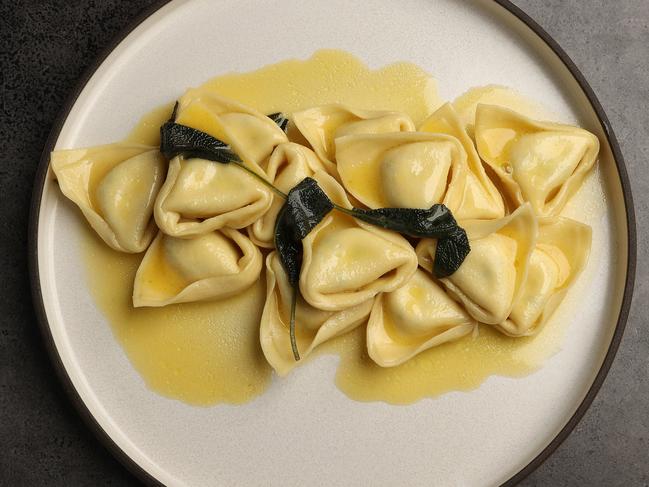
[
  {"x": 207, "y": 353},
  {"x": 200, "y": 353},
  {"x": 147, "y": 130}
]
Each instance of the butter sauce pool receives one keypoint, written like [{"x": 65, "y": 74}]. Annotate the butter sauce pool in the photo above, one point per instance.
[{"x": 208, "y": 353}]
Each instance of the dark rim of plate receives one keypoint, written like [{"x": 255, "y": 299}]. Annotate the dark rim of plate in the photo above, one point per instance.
[{"x": 146, "y": 477}]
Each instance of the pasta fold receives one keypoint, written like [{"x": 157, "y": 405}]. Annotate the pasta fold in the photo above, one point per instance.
[
  {"x": 347, "y": 261},
  {"x": 115, "y": 187},
  {"x": 480, "y": 198},
  {"x": 491, "y": 278},
  {"x": 320, "y": 126},
  {"x": 560, "y": 255},
  {"x": 417, "y": 316},
  {"x": 289, "y": 164},
  {"x": 540, "y": 162},
  {"x": 312, "y": 326},
  {"x": 213, "y": 266}
]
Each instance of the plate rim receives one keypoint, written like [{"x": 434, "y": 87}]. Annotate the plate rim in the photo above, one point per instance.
[{"x": 43, "y": 323}]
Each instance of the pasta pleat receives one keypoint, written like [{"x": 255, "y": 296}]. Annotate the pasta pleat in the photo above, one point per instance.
[{"x": 115, "y": 187}]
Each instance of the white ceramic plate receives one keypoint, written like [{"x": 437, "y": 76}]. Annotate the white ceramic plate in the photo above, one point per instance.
[{"x": 303, "y": 431}]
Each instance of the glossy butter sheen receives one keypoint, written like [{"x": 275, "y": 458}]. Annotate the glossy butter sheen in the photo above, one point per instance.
[
  {"x": 200, "y": 353},
  {"x": 207, "y": 353}
]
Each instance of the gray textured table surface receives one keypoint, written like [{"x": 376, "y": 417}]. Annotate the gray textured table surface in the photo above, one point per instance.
[{"x": 44, "y": 49}]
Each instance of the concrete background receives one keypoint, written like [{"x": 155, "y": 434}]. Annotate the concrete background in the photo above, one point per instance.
[{"x": 44, "y": 48}]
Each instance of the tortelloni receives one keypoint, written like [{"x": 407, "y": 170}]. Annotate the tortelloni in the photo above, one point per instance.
[
  {"x": 320, "y": 126},
  {"x": 115, "y": 187},
  {"x": 213, "y": 266},
  {"x": 200, "y": 196},
  {"x": 346, "y": 261},
  {"x": 561, "y": 252},
  {"x": 480, "y": 197},
  {"x": 251, "y": 134},
  {"x": 491, "y": 278},
  {"x": 204, "y": 213},
  {"x": 540, "y": 162},
  {"x": 403, "y": 170},
  {"x": 313, "y": 326},
  {"x": 415, "y": 317},
  {"x": 289, "y": 164}
]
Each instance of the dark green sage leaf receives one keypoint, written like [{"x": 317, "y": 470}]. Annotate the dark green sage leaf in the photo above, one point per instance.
[
  {"x": 288, "y": 247},
  {"x": 306, "y": 205},
  {"x": 180, "y": 140},
  {"x": 436, "y": 222},
  {"x": 280, "y": 119},
  {"x": 451, "y": 252},
  {"x": 289, "y": 250}
]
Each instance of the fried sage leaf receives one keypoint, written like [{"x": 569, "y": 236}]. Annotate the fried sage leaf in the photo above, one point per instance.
[
  {"x": 436, "y": 222},
  {"x": 451, "y": 252},
  {"x": 280, "y": 119},
  {"x": 289, "y": 250},
  {"x": 305, "y": 207},
  {"x": 288, "y": 247},
  {"x": 180, "y": 140}
]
